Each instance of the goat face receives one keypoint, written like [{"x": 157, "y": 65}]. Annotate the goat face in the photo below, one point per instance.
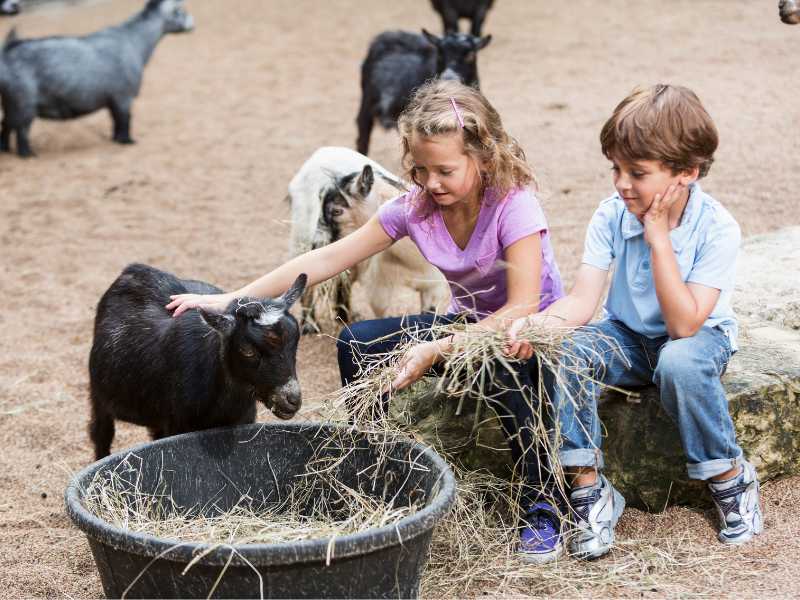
[
  {"x": 342, "y": 200},
  {"x": 9, "y": 7},
  {"x": 260, "y": 347},
  {"x": 789, "y": 11},
  {"x": 352, "y": 199},
  {"x": 456, "y": 56},
  {"x": 176, "y": 19}
]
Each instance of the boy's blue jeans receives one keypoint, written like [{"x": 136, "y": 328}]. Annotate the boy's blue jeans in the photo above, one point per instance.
[{"x": 687, "y": 373}]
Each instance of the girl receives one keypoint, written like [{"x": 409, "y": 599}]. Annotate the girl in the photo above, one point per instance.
[{"x": 471, "y": 215}]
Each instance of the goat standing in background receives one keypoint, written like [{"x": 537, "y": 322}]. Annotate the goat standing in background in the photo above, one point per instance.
[
  {"x": 398, "y": 62},
  {"x": 68, "y": 77}
]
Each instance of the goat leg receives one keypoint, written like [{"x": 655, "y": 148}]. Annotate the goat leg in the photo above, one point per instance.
[
  {"x": 5, "y": 137},
  {"x": 121, "y": 115},
  {"x": 477, "y": 21},
  {"x": 101, "y": 431},
  {"x": 23, "y": 145},
  {"x": 365, "y": 123}
]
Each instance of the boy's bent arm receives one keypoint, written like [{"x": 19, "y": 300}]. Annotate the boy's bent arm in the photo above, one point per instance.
[
  {"x": 578, "y": 307},
  {"x": 685, "y": 306}
]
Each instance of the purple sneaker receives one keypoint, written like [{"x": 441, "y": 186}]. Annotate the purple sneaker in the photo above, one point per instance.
[{"x": 540, "y": 539}]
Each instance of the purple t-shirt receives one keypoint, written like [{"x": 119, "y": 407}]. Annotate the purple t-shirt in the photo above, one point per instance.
[{"x": 476, "y": 274}]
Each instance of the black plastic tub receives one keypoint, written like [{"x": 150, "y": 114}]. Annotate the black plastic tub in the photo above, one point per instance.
[{"x": 221, "y": 465}]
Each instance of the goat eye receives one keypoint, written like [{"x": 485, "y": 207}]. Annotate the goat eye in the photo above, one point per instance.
[
  {"x": 470, "y": 57},
  {"x": 247, "y": 351},
  {"x": 337, "y": 212}
]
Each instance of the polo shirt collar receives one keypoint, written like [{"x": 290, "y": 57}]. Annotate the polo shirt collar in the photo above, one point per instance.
[{"x": 631, "y": 227}]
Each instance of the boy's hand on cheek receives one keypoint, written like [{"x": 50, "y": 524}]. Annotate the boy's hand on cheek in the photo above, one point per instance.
[{"x": 656, "y": 219}]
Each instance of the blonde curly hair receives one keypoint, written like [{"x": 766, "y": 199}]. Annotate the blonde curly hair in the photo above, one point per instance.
[{"x": 430, "y": 112}]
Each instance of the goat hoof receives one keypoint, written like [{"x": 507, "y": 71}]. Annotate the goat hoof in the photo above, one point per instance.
[{"x": 124, "y": 140}]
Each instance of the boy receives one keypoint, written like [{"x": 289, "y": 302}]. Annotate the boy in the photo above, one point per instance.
[{"x": 669, "y": 310}]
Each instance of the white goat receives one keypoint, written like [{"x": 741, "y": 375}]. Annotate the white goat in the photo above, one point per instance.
[{"x": 335, "y": 192}]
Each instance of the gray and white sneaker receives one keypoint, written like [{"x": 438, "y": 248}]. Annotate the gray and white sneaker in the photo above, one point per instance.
[
  {"x": 595, "y": 509},
  {"x": 738, "y": 505}
]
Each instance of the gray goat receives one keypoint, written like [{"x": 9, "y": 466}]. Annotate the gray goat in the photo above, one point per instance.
[{"x": 68, "y": 77}]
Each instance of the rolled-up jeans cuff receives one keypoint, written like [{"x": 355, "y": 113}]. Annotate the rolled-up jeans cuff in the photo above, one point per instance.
[
  {"x": 582, "y": 457},
  {"x": 710, "y": 468}
]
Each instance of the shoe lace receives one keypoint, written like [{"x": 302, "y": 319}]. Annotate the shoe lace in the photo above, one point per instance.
[
  {"x": 728, "y": 499},
  {"x": 582, "y": 505},
  {"x": 539, "y": 518}
]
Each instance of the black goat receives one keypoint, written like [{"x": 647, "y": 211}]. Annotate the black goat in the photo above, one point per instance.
[
  {"x": 68, "y": 77},
  {"x": 453, "y": 10},
  {"x": 200, "y": 370},
  {"x": 398, "y": 62},
  {"x": 9, "y": 7}
]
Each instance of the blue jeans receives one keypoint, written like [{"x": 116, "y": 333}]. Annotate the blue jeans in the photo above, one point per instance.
[
  {"x": 687, "y": 373},
  {"x": 512, "y": 408}
]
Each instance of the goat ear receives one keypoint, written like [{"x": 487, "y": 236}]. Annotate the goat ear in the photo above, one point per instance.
[
  {"x": 483, "y": 42},
  {"x": 221, "y": 323},
  {"x": 294, "y": 292},
  {"x": 431, "y": 38},
  {"x": 365, "y": 181}
]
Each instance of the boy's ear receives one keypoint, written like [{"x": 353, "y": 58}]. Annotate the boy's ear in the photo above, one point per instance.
[{"x": 690, "y": 176}]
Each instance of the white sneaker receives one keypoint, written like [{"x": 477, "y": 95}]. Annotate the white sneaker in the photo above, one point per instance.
[
  {"x": 596, "y": 509},
  {"x": 738, "y": 506}
]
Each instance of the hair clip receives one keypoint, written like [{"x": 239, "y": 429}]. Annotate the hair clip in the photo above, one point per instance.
[{"x": 458, "y": 113}]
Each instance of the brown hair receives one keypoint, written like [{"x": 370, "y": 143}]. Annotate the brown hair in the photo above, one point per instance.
[
  {"x": 430, "y": 112},
  {"x": 664, "y": 122}
]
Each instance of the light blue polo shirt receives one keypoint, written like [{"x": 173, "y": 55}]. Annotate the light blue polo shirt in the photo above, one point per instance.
[{"x": 706, "y": 244}]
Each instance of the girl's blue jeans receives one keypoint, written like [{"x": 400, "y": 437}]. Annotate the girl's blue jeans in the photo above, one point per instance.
[
  {"x": 687, "y": 373},
  {"x": 512, "y": 408}
]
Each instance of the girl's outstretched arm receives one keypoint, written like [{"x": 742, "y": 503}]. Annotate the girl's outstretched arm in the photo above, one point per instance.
[{"x": 319, "y": 264}]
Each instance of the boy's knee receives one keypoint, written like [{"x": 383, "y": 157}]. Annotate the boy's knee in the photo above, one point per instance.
[{"x": 679, "y": 359}]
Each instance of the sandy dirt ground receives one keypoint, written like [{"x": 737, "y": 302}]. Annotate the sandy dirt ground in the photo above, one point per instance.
[{"x": 225, "y": 117}]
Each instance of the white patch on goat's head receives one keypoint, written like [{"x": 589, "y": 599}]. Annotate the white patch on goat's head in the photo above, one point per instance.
[
  {"x": 450, "y": 74},
  {"x": 270, "y": 316}
]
